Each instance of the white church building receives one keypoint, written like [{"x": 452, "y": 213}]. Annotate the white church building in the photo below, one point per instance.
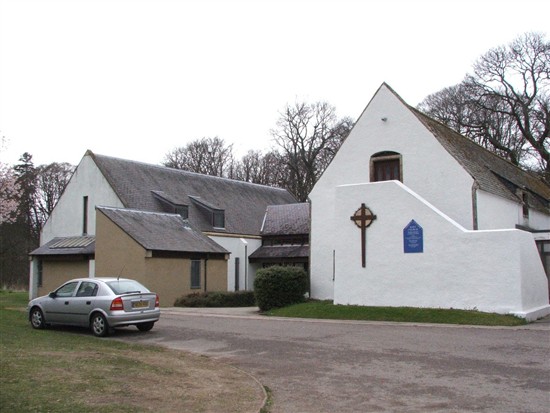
[{"x": 411, "y": 213}]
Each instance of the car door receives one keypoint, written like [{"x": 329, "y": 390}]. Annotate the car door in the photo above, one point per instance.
[
  {"x": 57, "y": 308},
  {"x": 83, "y": 302}
]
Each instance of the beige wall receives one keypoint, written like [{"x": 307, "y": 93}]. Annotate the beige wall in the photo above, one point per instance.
[
  {"x": 117, "y": 253},
  {"x": 55, "y": 273},
  {"x": 170, "y": 278},
  {"x": 216, "y": 275}
]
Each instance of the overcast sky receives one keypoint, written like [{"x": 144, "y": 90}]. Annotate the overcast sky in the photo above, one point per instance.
[{"x": 138, "y": 78}]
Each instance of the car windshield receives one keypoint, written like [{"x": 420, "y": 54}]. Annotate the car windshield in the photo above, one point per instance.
[{"x": 126, "y": 286}]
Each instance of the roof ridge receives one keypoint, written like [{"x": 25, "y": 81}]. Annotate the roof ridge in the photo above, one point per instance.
[
  {"x": 182, "y": 171},
  {"x": 140, "y": 211}
]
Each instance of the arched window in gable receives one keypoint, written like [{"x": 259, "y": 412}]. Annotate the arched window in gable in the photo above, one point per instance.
[{"x": 386, "y": 166}]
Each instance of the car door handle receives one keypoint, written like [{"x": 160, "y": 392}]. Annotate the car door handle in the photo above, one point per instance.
[
  {"x": 66, "y": 303},
  {"x": 88, "y": 302}
]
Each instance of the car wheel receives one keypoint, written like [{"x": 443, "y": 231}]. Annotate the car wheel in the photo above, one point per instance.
[
  {"x": 37, "y": 318},
  {"x": 145, "y": 326},
  {"x": 99, "y": 325}
]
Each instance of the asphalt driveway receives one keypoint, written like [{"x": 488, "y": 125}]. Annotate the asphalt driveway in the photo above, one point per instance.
[{"x": 335, "y": 366}]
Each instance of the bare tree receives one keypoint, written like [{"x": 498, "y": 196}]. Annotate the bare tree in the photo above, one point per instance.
[
  {"x": 249, "y": 168},
  {"x": 505, "y": 103},
  {"x": 458, "y": 108},
  {"x": 308, "y": 136},
  {"x": 210, "y": 156},
  {"x": 264, "y": 169},
  {"x": 51, "y": 181}
]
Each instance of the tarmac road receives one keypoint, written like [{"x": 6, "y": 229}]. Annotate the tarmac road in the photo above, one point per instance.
[{"x": 334, "y": 366}]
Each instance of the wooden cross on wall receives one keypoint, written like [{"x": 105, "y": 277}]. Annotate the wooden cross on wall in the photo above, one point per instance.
[{"x": 363, "y": 217}]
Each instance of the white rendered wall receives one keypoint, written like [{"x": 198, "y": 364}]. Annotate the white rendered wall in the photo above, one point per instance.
[
  {"x": 67, "y": 217},
  {"x": 494, "y": 271},
  {"x": 539, "y": 221},
  {"x": 495, "y": 212},
  {"x": 241, "y": 248},
  {"x": 427, "y": 168}
]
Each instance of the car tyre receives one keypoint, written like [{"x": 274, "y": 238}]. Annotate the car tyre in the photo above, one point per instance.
[
  {"x": 145, "y": 326},
  {"x": 37, "y": 318},
  {"x": 99, "y": 325}
]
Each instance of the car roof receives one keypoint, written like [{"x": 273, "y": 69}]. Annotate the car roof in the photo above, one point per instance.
[{"x": 104, "y": 279}]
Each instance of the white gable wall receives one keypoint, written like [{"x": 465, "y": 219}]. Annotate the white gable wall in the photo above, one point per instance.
[
  {"x": 67, "y": 217},
  {"x": 427, "y": 168}
]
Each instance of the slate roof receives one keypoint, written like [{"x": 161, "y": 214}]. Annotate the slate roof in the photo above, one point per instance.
[
  {"x": 161, "y": 231},
  {"x": 290, "y": 219},
  {"x": 144, "y": 187},
  {"x": 84, "y": 245},
  {"x": 492, "y": 173},
  {"x": 280, "y": 251}
]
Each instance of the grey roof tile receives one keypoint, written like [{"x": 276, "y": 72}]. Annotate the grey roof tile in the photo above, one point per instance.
[
  {"x": 290, "y": 219},
  {"x": 161, "y": 231},
  {"x": 139, "y": 185},
  {"x": 280, "y": 251}
]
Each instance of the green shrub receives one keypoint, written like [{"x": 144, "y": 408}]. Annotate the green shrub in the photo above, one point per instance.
[
  {"x": 217, "y": 299},
  {"x": 276, "y": 287}
]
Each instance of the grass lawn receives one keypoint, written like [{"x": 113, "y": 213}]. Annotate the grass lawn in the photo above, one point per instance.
[
  {"x": 70, "y": 370},
  {"x": 327, "y": 310}
]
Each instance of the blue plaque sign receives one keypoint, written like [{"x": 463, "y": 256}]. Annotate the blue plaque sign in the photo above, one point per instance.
[{"x": 413, "y": 238}]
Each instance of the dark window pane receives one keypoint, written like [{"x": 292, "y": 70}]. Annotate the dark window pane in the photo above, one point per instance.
[
  {"x": 183, "y": 210},
  {"x": 386, "y": 170},
  {"x": 219, "y": 219},
  {"x": 195, "y": 274}
]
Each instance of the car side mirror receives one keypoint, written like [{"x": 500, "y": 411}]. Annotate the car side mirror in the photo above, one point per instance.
[{"x": 52, "y": 294}]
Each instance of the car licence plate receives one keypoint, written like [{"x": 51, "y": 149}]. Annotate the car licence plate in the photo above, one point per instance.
[{"x": 140, "y": 304}]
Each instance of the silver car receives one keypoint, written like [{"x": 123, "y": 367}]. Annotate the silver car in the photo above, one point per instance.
[{"x": 98, "y": 303}]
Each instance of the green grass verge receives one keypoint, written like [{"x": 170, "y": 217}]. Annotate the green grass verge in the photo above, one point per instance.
[
  {"x": 70, "y": 370},
  {"x": 58, "y": 371},
  {"x": 327, "y": 310}
]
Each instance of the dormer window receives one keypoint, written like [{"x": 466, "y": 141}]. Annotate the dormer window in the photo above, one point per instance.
[
  {"x": 218, "y": 219},
  {"x": 171, "y": 204},
  {"x": 182, "y": 210},
  {"x": 212, "y": 212}
]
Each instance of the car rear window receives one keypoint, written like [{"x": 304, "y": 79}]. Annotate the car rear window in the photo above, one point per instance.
[{"x": 126, "y": 286}]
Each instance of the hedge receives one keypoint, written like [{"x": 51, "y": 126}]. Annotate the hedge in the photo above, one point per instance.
[
  {"x": 276, "y": 287},
  {"x": 217, "y": 299}
]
